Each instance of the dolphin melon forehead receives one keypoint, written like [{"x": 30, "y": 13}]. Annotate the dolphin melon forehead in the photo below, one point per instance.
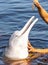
[{"x": 17, "y": 33}]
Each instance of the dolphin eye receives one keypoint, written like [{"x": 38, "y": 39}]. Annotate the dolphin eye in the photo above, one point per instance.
[{"x": 16, "y": 35}]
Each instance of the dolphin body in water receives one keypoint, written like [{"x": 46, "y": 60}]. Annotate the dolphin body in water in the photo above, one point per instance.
[{"x": 18, "y": 43}]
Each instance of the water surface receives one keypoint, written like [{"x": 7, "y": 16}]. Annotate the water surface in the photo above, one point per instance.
[{"x": 13, "y": 16}]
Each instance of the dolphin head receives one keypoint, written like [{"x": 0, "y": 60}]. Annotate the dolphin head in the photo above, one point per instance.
[{"x": 19, "y": 40}]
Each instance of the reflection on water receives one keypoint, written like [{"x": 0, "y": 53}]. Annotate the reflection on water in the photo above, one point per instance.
[
  {"x": 13, "y": 15},
  {"x": 33, "y": 59},
  {"x": 26, "y": 61}
]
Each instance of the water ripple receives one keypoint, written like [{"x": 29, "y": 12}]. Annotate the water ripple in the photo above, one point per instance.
[{"x": 13, "y": 16}]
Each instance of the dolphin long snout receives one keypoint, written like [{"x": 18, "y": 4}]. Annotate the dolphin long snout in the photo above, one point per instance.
[{"x": 28, "y": 26}]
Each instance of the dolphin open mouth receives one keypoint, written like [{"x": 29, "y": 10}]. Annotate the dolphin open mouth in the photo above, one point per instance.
[{"x": 28, "y": 25}]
